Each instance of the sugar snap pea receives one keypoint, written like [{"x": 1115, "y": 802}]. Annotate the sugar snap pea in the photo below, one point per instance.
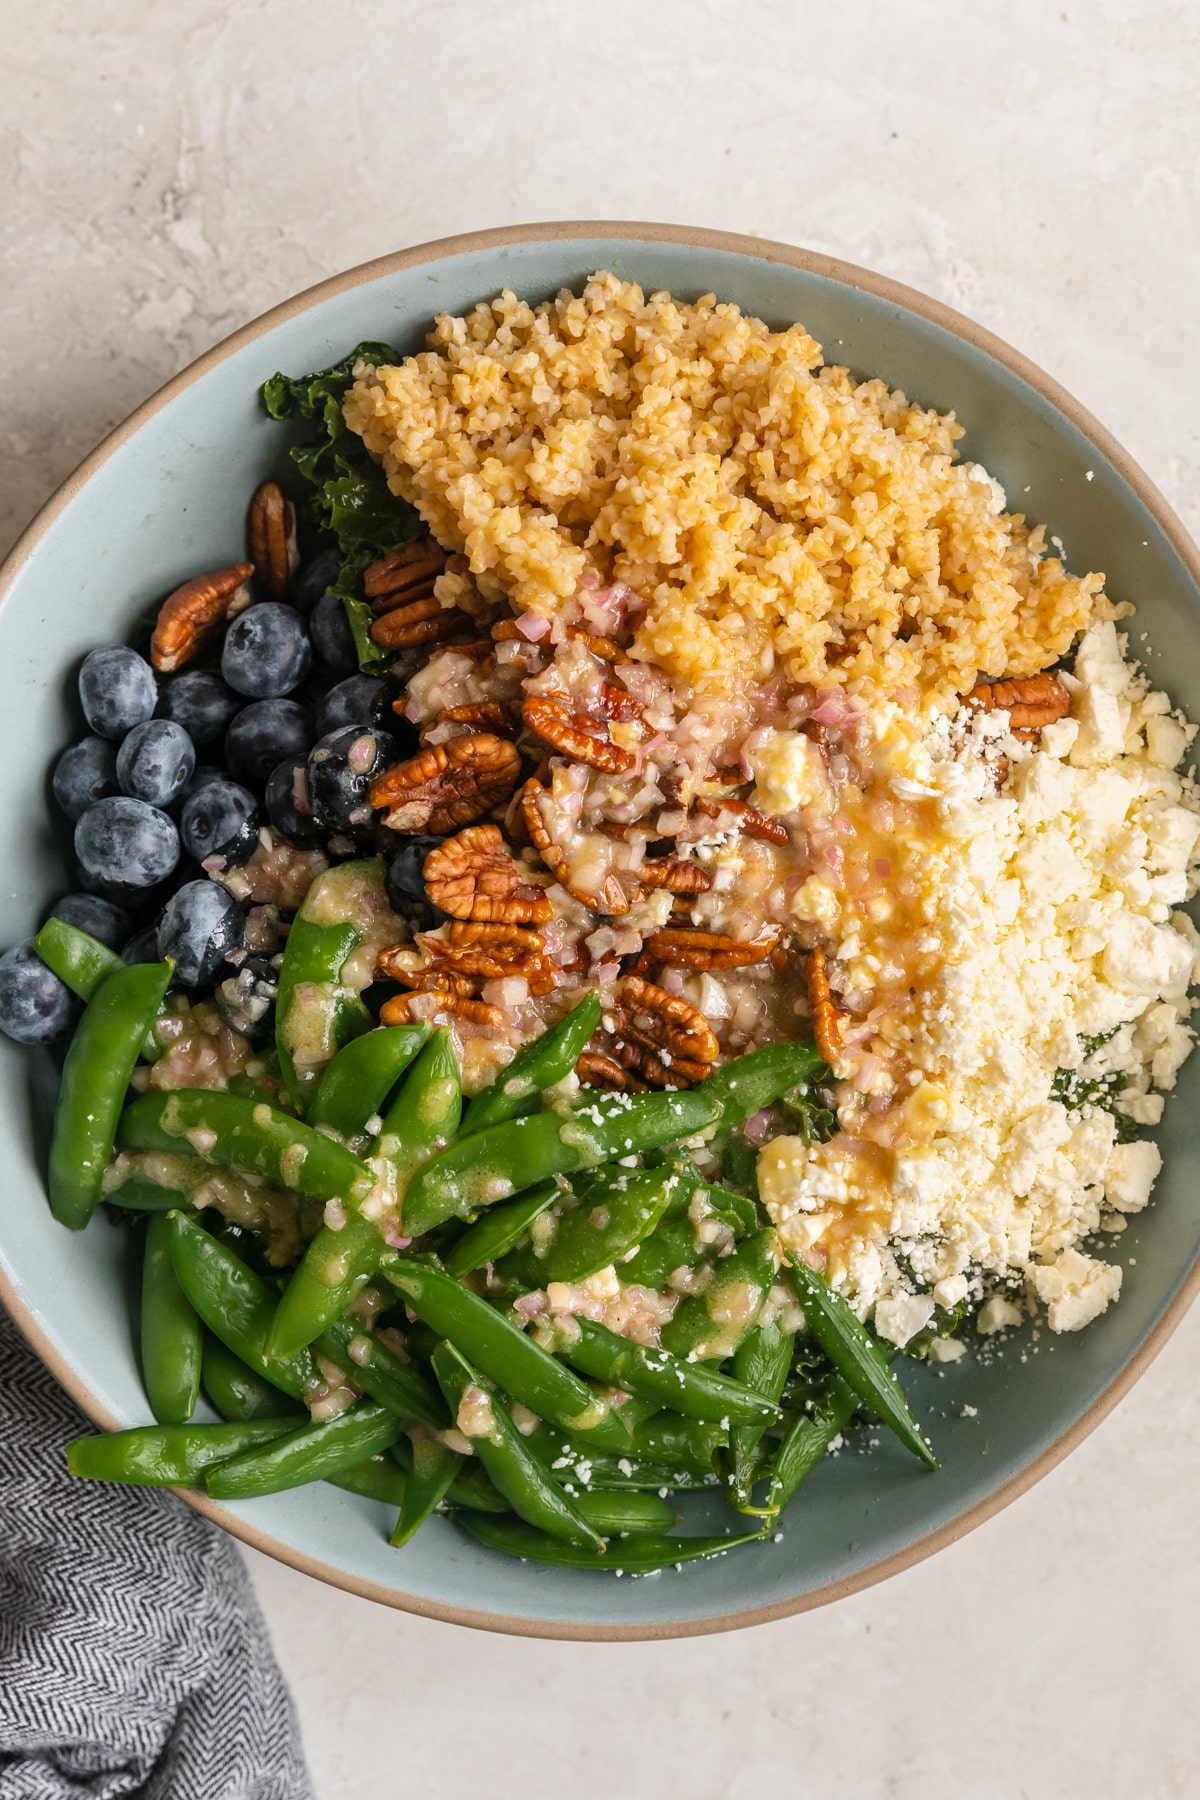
[
  {"x": 356, "y": 1084},
  {"x": 504, "y": 1160},
  {"x": 689, "y": 1388},
  {"x": 706, "y": 1199},
  {"x": 504, "y": 1352},
  {"x": 308, "y": 1453},
  {"x": 751, "y": 1082},
  {"x": 171, "y": 1335},
  {"x": 96, "y": 1073},
  {"x": 380, "y": 1373},
  {"x": 511, "y": 1463},
  {"x": 435, "y": 1468},
  {"x": 375, "y": 1478},
  {"x": 713, "y": 1323},
  {"x": 761, "y": 1361},
  {"x": 807, "y": 1440},
  {"x": 316, "y": 1010},
  {"x": 541, "y": 1064},
  {"x": 673, "y": 1246},
  {"x": 168, "y": 1455},
  {"x": 499, "y": 1230},
  {"x": 81, "y": 963},
  {"x": 856, "y": 1354},
  {"x": 636, "y": 1555},
  {"x": 235, "y": 1304},
  {"x": 617, "y": 1209},
  {"x": 235, "y": 1391},
  {"x": 470, "y": 1487},
  {"x": 616, "y": 1513}
]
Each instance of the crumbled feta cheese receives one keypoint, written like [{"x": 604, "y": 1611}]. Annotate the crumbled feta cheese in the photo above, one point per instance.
[
  {"x": 1130, "y": 1173},
  {"x": 901, "y": 1317},
  {"x": 1076, "y": 1289},
  {"x": 788, "y": 772}
]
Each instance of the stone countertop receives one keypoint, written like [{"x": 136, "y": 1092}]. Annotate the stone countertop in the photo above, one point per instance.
[{"x": 170, "y": 173}]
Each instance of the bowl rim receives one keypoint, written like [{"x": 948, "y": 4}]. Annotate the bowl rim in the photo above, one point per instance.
[{"x": 909, "y": 300}]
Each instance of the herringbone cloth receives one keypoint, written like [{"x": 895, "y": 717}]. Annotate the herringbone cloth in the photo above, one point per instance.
[{"x": 133, "y": 1658}]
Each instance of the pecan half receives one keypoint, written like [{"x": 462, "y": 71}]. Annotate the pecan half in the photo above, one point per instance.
[
  {"x": 1030, "y": 701},
  {"x": 826, "y": 1020},
  {"x": 407, "y": 574},
  {"x": 400, "y": 962},
  {"x": 271, "y": 534},
  {"x": 190, "y": 617},
  {"x": 576, "y": 735},
  {"x": 750, "y": 820},
  {"x": 606, "y": 648},
  {"x": 419, "y": 622},
  {"x": 598, "y": 1071},
  {"x": 448, "y": 785},
  {"x": 661, "y": 1035},
  {"x": 484, "y": 715},
  {"x": 618, "y": 704},
  {"x": 487, "y": 952},
  {"x": 472, "y": 876},
  {"x": 429, "y": 1004},
  {"x": 612, "y": 899},
  {"x": 676, "y": 874},
  {"x": 682, "y": 949}
]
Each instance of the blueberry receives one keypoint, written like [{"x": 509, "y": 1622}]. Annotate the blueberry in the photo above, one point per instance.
[
  {"x": 93, "y": 914},
  {"x": 221, "y": 820},
  {"x": 125, "y": 844},
  {"x": 266, "y": 651},
  {"x": 117, "y": 689},
  {"x": 404, "y": 880},
  {"x": 314, "y": 578},
  {"x": 201, "y": 923},
  {"x": 205, "y": 772},
  {"x": 341, "y": 768},
  {"x": 35, "y": 1006},
  {"x": 202, "y": 704},
  {"x": 155, "y": 762},
  {"x": 332, "y": 637},
  {"x": 85, "y": 773},
  {"x": 142, "y": 947},
  {"x": 287, "y": 805},
  {"x": 356, "y": 701},
  {"x": 263, "y": 734}
]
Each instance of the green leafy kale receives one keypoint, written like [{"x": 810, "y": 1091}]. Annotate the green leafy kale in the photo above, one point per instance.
[
  {"x": 806, "y": 1116},
  {"x": 351, "y": 501},
  {"x": 1079, "y": 1092}
]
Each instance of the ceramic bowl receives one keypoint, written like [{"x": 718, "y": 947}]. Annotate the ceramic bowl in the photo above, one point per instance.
[{"x": 166, "y": 495}]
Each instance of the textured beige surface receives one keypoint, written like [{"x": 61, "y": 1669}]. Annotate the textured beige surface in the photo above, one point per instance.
[{"x": 167, "y": 173}]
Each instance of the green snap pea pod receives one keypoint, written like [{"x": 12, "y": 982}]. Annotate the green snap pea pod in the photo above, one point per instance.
[
  {"x": 744, "y": 1086},
  {"x": 505, "y": 1354},
  {"x": 376, "y": 1478},
  {"x": 692, "y": 1389},
  {"x": 542, "y": 1064},
  {"x": 470, "y": 1487},
  {"x": 807, "y": 1440},
  {"x": 357, "y": 1082},
  {"x": 714, "y": 1323},
  {"x": 673, "y": 1246},
  {"x": 235, "y": 1391},
  {"x": 96, "y": 1074},
  {"x": 315, "y": 1010},
  {"x": 308, "y": 1453},
  {"x": 81, "y": 963},
  {"x": 692, "y": 1443},
  {"x": 665, "y": 1441},
  {"x": 510, "y": 1462},
  {"x": 614, "y": 1513},
  {"x": 168, "y": 1455},
  {"x": 710, "y": 1201},
  {"x": 140, "y": 1194},
  {"x": 435, "y": 1468},
  {"x": 642, "y": 1554},
  {"x": 172, "y": 1338},
  {"x": 617, "y": 1210},
  {"x": 235, "y": 1304},
  {"x": 381, "y": 1374},
  {"x": 504, "y": 1160},
  {"x": 857, "y": 1356},
  {"x": 255, "y": 1139},
  {"x": 499, "y": 1230},
  {"x": 621, "y": 1474},
  {"x": 739, "y": 1162},
  {"x": 338, "y": 1263},
  {"x": 761, "y": 1361}
]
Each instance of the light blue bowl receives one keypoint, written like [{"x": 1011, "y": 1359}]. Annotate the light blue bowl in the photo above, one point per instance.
[{"x": 166, "y": 495}]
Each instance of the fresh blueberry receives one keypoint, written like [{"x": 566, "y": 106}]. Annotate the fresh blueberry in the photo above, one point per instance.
[
  {"x": 245, "y": 1000},
  {"x": 287, "y": 805},
  {"x": 266, "y": 651},
  {"x": 142, "y": 947},
  {"x": 124, "y": 844},
  {"x": 201, "y": 923},
  {"x": 202, "y": 704},
  {"x": 341, "y": 768},
  {"x": 356, "y": 701},
  {"x": 155, "y": 762},
  {"x": 85, "y": 773},
  {"x": 332, "y": 637},
  {"x": 314, "y": 578},
  {"x": 117, "y": 689},
  {"x": 100, "y": 918},
  {"x": 404, "y": 880},
  {"x": 35, "y": 1006},
  {"x": 263, "y": 734},
  {"x": 221, "y": 820},
  {"x": 205, "y": 772}
]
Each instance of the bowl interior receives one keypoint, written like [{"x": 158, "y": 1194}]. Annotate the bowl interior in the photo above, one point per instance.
[{"x": 170, "y": 499}]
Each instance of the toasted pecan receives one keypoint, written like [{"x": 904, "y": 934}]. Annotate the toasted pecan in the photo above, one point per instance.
[
  {"x": 271, "y": 540},
  {"x": 826, "y": 1020},
  {"x": 429, "y": 1003},
  {"x": 484, "y": 715},
  {"x": 660, "y": 1069},
  {"x": 750, "y": 820},
  {"x": 492, "y": 952},
  {"x": 403, "y": 963},
  {"x": 683, "y": 949},
  {"x": 448, "y": 785},
  {"x": 661, "y": 1035},
  {"x": 473, "y": 876},
  {"x": 406, "y": 574},
  {"x": 612, "y": 900},
  {"x": 1030, "y": 701},
  {"x": 675, "y": 874},
  {"x": 606, "y": 648},
  {"x": 191, "y": 616},
  {"x": 576, "y": 735},
  {"x": 599, "y": 1071},
  {"x": 420, "y": 622}
]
